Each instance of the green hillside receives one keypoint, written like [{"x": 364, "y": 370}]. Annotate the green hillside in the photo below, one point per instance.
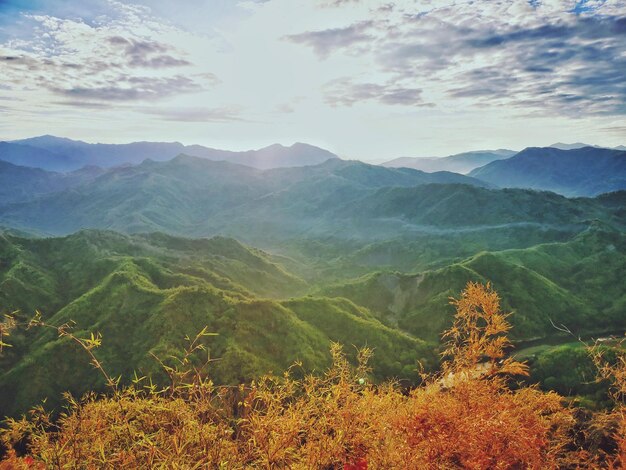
[
  {"x": 469, "y": 206},
  {"x": 196, "y": 197},
  {"x": 145, "y": 293},
  {"x": 574, "y": 283}
]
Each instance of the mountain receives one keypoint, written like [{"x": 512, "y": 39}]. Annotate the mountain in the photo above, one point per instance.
[
  {"x": 330, "y": 221},
  {"x": 195, "y": 196},
  {"x": 458, "y": 206},
  {"x": 586, "y": 171},
  {"x": 145, "y": 293},
  {"x": 274, "y": 156},
  {"x": 61, "y": 154},
  {"x": 19, "y": 183},
  {"x": 460, "y": 163},
  {"x": 570, "y": 283},
  {"x": 76, "y": 153},
  {"x": 575, "y": 145},
  {"x": 31, "y": 156},
  {"x": 578, "y": 145}
]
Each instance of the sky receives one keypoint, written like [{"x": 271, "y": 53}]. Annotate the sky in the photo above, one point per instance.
[{"x": 372, "y": 80}]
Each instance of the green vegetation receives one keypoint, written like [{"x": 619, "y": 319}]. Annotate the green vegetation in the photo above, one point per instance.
[
  {"x": 197, "y": 197},
  {"x": 354, "y": 253},
  {"x": 570, "y": 283},
  {"x": 145, "y": 293},
  {"x": 470, "y": 414}
]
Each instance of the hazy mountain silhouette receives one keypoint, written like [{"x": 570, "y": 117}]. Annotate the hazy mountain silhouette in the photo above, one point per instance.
[
  {"x": 61, "y": 154},
  {"x": 585, "y": 171},
  {"x": 460, "y": 163}
]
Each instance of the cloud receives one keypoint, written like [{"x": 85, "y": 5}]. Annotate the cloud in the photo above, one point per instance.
[
  {"x": 195, "y": 114},
  {"x": 570, "y": 69},
  {"x": 477, "y": 64},
  {"x": 335, "y": 3},
  {"x": 108, "y": 58},
  {"x": 619, "y": 131},
  {"x": 344, "y": 92},
  {"x": 131, "y": 88},
  {"x": 328, "y": 40},
  {"x": 147, "y": 54},
  {"x": 20, "y": 61},
  {"x": 540, "y": 57},
  {"x": 81, "y": 104}
]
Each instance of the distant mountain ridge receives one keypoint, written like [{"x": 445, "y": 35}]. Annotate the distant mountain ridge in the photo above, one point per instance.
[
  {"x": 459, "y": 163},
  {"x": 25, "y": 155},
  {"x": 195, "y": 196},
  {"x": 586, "y": 171},
  {"x": 20, "y": 183},
  {"x": 575, "y": 145},
  {"x": 61, "y": 154},
  {"x": 578, "y": 145},
  {"x": 347, "y": 200}
]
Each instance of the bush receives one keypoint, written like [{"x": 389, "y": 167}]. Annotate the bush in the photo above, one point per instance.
[{"x": 464, "y": 417}]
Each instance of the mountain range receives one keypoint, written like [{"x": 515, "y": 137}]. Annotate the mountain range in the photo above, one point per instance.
[
  {"x": 460, "y": 163},
  {"x": 281, "y": 261},
  {"x": 585, "y": 171},
  {"x": 145, "y": 293},
  {"x": 577, "y": 145},
  {"x": 568, "y": 169},
  {"x": 195, "y": 196},
  {"x": 19, "y": 183},
  {"x": 61, "y": 154},
  {"x": 564, "y": 283}
]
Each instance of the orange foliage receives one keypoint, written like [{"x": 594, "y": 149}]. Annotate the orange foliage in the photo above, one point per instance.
[
  {"x": 477, "y": 343},
  {"x": 615, "y": 372},
  {"x": 333, "y": 421}
]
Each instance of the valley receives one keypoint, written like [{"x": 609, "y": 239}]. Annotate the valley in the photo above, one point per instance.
[{"x": 281, "y": 262}]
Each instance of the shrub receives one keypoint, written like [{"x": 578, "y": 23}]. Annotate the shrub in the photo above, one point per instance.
[{"x": 464, "y": 417}]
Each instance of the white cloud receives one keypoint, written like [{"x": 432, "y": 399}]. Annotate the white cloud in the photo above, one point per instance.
[{"x": 366, "y": 78}]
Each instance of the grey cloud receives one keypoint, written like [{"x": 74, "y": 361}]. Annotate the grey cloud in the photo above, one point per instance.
[
  {"x": 102, "y": 79},
  {"x": 285, "y": 108},
  {"x": 326, "y": 41},
  {"x": 387, "y": 7},
  {"x": 617, "y": 130},
  {"x": 19, "y": 62},
  {"x": 226, "y": 114},
  {"x": 131, "y": 89},
  {"x": 567, "y": 68},
  {"x": 403, "y": 96},
  {"x": 83, "y": 104},
  {"x": 148, "y": 54},
  {"x": 346, "y": 93},
  {"x": 335, "y": 3}
]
